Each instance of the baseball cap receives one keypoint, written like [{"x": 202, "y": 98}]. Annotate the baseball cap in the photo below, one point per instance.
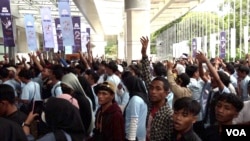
[{"x": 106, "y": 86}]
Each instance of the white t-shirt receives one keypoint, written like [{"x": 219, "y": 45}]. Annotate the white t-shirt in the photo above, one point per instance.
[{"x": 30, "y": 90}]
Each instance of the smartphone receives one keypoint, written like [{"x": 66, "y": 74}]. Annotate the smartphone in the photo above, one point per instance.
[{"x": 38, "y": 107}]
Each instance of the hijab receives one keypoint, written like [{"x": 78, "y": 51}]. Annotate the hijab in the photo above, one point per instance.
[
  {"x": 60, "y": 114},
  {"x": 85, "y": 104},
  {"x": 88, "y": 89},
  {"x": 136, "y": 87}
]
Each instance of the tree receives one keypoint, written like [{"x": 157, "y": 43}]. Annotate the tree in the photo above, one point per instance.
[{"x": 111, "y": 49}]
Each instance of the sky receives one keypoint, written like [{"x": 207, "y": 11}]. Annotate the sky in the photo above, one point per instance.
[{"x": 209, "y": 5}]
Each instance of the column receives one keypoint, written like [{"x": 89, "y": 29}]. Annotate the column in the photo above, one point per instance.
[
  {"x": 138, "y": 24},
  {"x": 121, "y": 46}
]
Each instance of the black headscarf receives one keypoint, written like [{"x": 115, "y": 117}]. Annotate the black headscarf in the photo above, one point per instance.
[
  {"x": 136, "y": 87},
  {"x": 60, "y": 114},
  {"x": 88, "y": 90}
]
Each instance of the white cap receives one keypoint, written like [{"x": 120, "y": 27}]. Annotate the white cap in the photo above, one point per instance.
[
  {"x": 120, "y": 68},
  {"x": 180, "y": 69}
]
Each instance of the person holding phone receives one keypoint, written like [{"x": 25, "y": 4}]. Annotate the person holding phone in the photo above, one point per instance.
[{"x": 62, "y": 117}]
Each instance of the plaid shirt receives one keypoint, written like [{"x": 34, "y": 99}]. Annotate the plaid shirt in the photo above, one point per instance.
[
  {"x": 162, "y": 124},
  {"x": 146, "y": 76}
]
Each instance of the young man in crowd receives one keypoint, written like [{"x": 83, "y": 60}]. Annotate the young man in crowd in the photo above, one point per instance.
[
  {"x": 159, "y": 123},
  {"x": 227, "y": 108},
  {"x": 186, "y": 112},
  {"x": 109, "y": 123}
]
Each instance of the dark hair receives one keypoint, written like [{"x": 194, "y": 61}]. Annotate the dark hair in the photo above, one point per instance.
[
  {"x": 243, "y": 68},
  {"x": 190, "y": 70},
  {"x": 4, "y": 73},
  {"x": 188, "y": 105},
  {"x": 112, "y": 65},
  {"x": 94, "y": 76},
  {"x": 164, "y": 81},
  {"x": 159, "y": 69},
  {"x": 57, "y": 70},
  {"x": 7, "y": 93},
  {"x": 80, "y": 67},
  {"x": 224, "y": 78},
  {"x": 230, "y": 68},
  {"x": 232, "y": 99},
  {"x": 27, "y": 74},
  {"x": 126, "y": 74},
  {"x": 136, "y": 69},
  {"x": 184, "y": 78}
]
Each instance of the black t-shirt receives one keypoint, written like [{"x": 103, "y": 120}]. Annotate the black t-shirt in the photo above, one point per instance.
[
  {"x": 18, "y": 117},
  {"x": 10, "y": 131}
]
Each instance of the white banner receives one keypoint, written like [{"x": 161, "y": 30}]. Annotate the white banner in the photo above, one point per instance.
[
  {"x": 198, "y": 43},
  {"x": 245, "y": 39},
  {"x": 212, "y": 45},
  {"x": 233, "y": 42},
  {"x": 185, "y": 47}
]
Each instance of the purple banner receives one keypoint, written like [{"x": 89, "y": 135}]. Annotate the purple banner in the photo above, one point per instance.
[
  {"x": 77, "y": 33},
  {"x": 223, "y": 44},
  {"x": 194, "y": 47},
  {"x": 6, "y": 19},
  {"x": 59, "y": 34},
  {"x": 88, "y": 31}
]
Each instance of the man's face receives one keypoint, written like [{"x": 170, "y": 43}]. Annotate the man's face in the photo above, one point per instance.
[
  {"x": 225, "y": 112},
  {"x": 104, "y": 97},
  {"x": 183, "y": 120},
  {"x": 46, "y": 72},
  {"x": 157, "y": 92}
]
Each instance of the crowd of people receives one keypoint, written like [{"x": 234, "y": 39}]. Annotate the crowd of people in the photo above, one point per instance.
[{"x": 186, "y": 99}]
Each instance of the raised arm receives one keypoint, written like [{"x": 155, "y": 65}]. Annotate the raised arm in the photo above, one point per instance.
[
  {"x": 202, "y": 58},
  {"x": 146, "y": 76}
]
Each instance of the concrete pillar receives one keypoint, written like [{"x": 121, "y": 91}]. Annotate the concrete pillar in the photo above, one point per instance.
[
  {"x": 121, "y": 46},
  {"x": 138, "y": 24}
]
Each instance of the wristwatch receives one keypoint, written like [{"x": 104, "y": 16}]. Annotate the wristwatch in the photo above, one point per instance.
[{"x": 25, "y": 124}]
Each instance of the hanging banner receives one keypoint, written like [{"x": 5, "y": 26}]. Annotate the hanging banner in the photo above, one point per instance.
[
  {"x": 59, "y": 35},
  {"x": 77, "y": 33},
  {"x": 223, "y": 43},
  {"x": 246, "y": 38},
  {"x": 175, "y": 50},
  {"x": 30, "y": 32},
  {"x": 84, "y": 40},
  {"x": 212, "y": 45},
  {"x": 47, "y": 27},
  {"x": 198, "y": 43},
  {"x": 6, "y": 20},
  {"x": 194, "y": 47},
  {"x": 66, "y": 22},
  {"x": 233, "y": 42},
  {"x": 88, "y": 31}
]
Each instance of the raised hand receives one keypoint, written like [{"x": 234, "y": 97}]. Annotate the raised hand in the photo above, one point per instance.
[
  {"x": 201, "y": 57},
  {"x": 144, "y": 43},
  {"x": 169, "y": 65}
]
